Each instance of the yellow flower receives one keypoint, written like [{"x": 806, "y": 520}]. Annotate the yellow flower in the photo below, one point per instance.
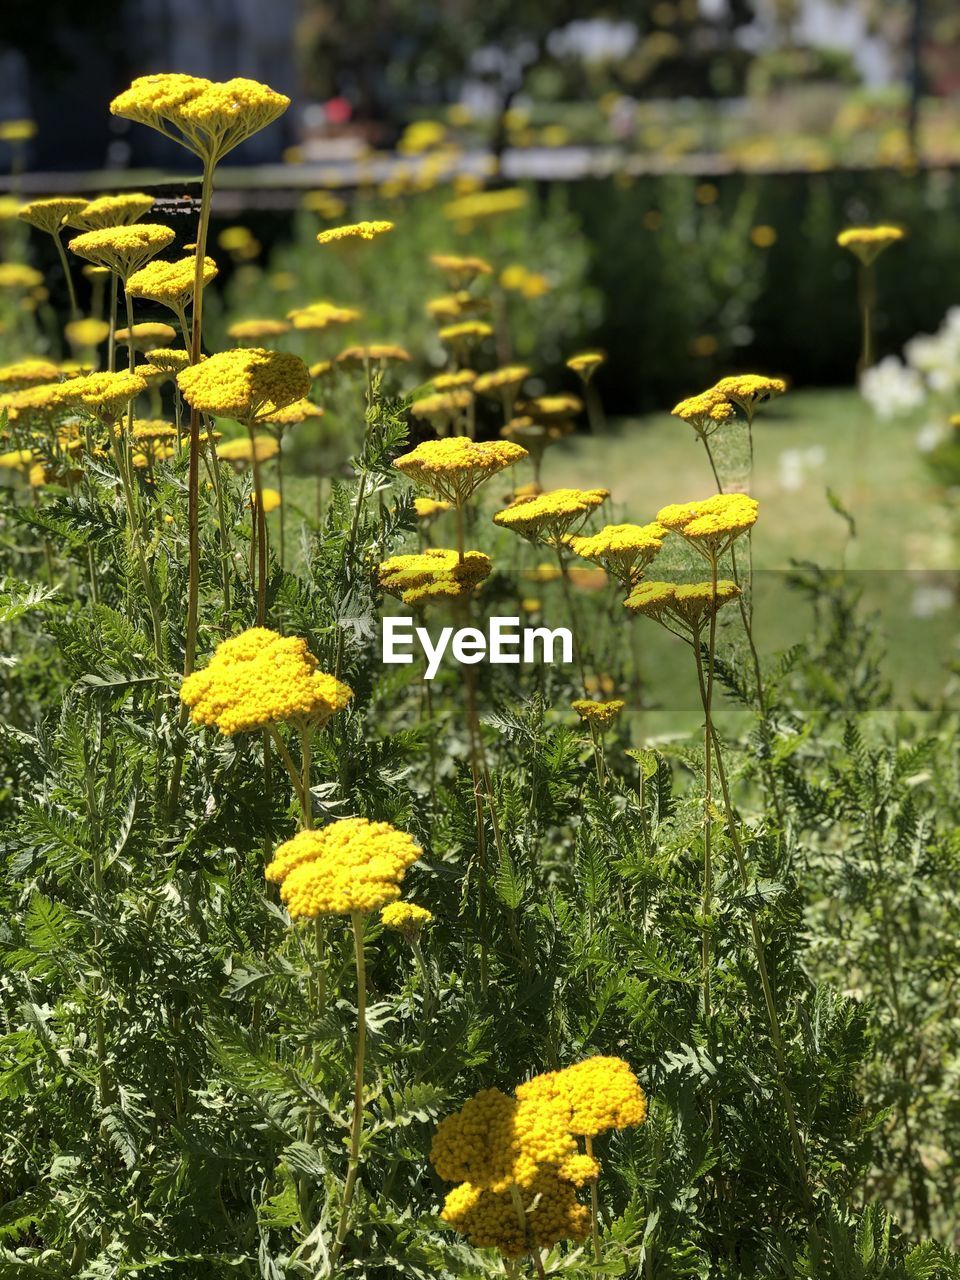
[
  {"x": 165, "y": 362},
  {"x": 246, "y": 384},
  {"x": 208, "y": 118},
  {"x": 597, "y": 1094},
  {"x": 354, "y": 231},
  {"x": 435, "y": 574},
  {"x": 320, "y": 315},
  {"x": 374, "y": 353},
  {"x": 869, "y": 242},
  {"x": 485, "y": 204},
  {"x": 748, "y": 390},
  {"x": 586, "y": 363},
  {"x": 508, "y": 378},
  {"x": 259, "y": 678},
  {"x": 243, "y": 449},
  {"x": 111, "y": 211},
  {"x": 549, "y": 408},
  {"x": 271, "y": 500},
  {"x": 123, "y": 249},
  {"x": 254, "y": 330},
  {"x": 428, "y": 508},
  {"x": 146, "y": 336},
  {"x": 713, "y": 524},
  {"x": 763, "y": 236},
  {"x": 550, "y": 517},
  {"x": 452, "y": 381},
  {"x": 25, "y": 373},
  {"x": 17, "y": 130},
  {"x": 453, "y": 469},
  {"x": 459, "y": 269},
  {"x": 406, "y": 918},
  {"x": 350, "y": 866},
  {"x": 465, "y": 331},
  {"x": 148, "y": 429},
  {"x": 106, "y": 394},
  {"x": 170, "y": 283},
  {"x": 624, "y": 550},
  {"x": 17, "y": 460},
  {"x": 50, "y": 214},
  {"x": 443, "y": 407},
  {"x": 489, "y": 1219},
  {"x": 321, "y": 368},
  {"x": 600, "y": 714},
  {"x": 687, "y": 606},
  {"x": 704, "y": 412},
  {"x": 18, "y": 276},
  {"x": 88, "y": 332}
]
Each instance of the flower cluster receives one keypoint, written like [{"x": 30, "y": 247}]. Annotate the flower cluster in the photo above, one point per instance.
[
  {"x": 624, "y": 550},
  {"x": 704, "y": 412},
  {"x": 245, "y": 383},
  {"x": 599, "y": 714},
  {"x": 125, "y": 250},
  {"x": 259, "y": 678},
  {"x": 354, "y": 231},
  {"x": 209, "y": 118},
  {"x": 485, "y": 204},
  {"x": 506, "y": 1152},
  {"x": 550, "y": 517},
  {"x": 25, "y": 373},
  {"x": 51, "y": 213},
  {"x": 321, "y": 315},
  {"x": 508, "y": 378},
  {"x": 686, "y": 606},
  {"x": 111, "y": 211},
  {"x": 105, "y": 394},
  {"x": 170, "y": 283},
  {"x": 434, "y": 575},
  {"x": 406, "y": 918},
  {"x": 586, "y": 363},
  {"x": 453, "y": 469},
  {"x": 869, "y": 242},
  {"x": 713, "y": 524},
  {"x": 353, "y": 865},
  {"x": 358, "y": 357},
  {"x": 257, "y": 329}
]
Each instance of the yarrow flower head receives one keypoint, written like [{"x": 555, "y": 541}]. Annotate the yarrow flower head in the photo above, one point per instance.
[
  {"x": 26, "y": 373},
  {"x": 243, "y": 449},
  {"x": 209, "y": 118},
  {"x": 321, "y": 315},
  {"x": 352, "y": 866},
  {"x": 434, "y": 575},
  {"x": 106, "y": 394},
  {"x": 454, "y": 469},
  {"x": 406, "y": 918},
  {"x": 358, "y": 357},
  {"x": 598, "y": 1094},
  {"x": 551, "y": 408},
  {"x": 444, "y": 407},
  {"x": 867, "y": 243},
  {"x": 509, "y": 378},
  {"x": 354, "y": 231},
  {"x": 704, "y": 412},
  {"x": 599, "y": 714},
  {"x": 247, "y": 384},
  {"x": 489, "y": 1219},
  {"x": 713, "y": 524},
  {"x": 624, "y": 550},
  {"x": 586, "y": 363},
  {"x": 18, "y": 277},
  {"x": 430, "y": 508},
  {"x": 257, "y": 329},
  {"x": 146, "y": 336},
  {"x": 459, "y": 269},
  {"x": 111, "y": 211},
  {"x": 50, "y": 214},
  {"x": 485, "y": 204},
  {"x": 686, "y": 606},
  {"x": 258, "y": 679},
  {"x": 88, "y": 332},
  {"x": 455, "y": 380},
  {"x": 551, "y": 517},
  {"x": 170, "y": 283},
  {"x": 749, "y": 390},
  {"x": 125, "y": 250}
]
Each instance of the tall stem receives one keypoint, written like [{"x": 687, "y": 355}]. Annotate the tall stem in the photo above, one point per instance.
[
  {"x": 261, "y": 538},
  {"x": 867, "y": 297},
  {"x": 356, "y": 1128},
  {"x": 568, "y": 600},
  {"x": 61, "y": 252},
  {"x": 193, "y": 479}
]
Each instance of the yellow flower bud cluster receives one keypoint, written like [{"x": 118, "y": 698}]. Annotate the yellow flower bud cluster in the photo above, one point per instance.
[
  {"x": 87, "y": 332},
  {"x": 350, "y": 866},
  {"x": 465, "y": 331},
  {"x": 434, "y": 574},
  {"x": 170, "y": 283},
  {"x": 406, "y": 918},
  {"x": 244, "y": 449},
  {"x": 444, "y": 406},
  {"x": 429, "y": 508},
  {"x": 624, "y": 550},
  {"x": 146, "y": 335},
  {"x": 111, "y": 211},
  {"x": 869, "y": 242},
  {"x": 461, "y": 269},
  {"x": 106, "y": 394},
  {"x": 455, "y": 380},
  {"x": 684, "y": 606},
  {"x": 321, "y": 315},
  {"x": 713, "y": 524},
  {"x": 354, "y": 231},
  {"x": 453, "y": 469},
  {"x": 51, "y": 213},
  {"x": 507, "y": 378},
  {"x": 358, "y": 357},
  {"x": 504, "y": 1150},
  {"x": 245, "y": 383},
  {"x": 600, "y": 714},
  {"x": 549, "y": 517},
  {"x": 209, "y": 118},
  {"x": 259, "y": 678},
  {"x": 257, "y": 328},
  {"x": 715, "y": 406},
  {"x": 125, "y": 250},
  {"x": 586, "y": 363},
  {"x": 485, "y": 204},
  {"x": 27, "y": 373}
]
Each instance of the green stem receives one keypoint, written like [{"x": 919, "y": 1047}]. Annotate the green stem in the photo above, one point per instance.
[
  {"x": 61, "y": 252},
  {"x": 356, "y": 1127}
]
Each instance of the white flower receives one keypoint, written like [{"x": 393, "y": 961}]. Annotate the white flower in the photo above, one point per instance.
[{"x": 891, "y": 388}]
